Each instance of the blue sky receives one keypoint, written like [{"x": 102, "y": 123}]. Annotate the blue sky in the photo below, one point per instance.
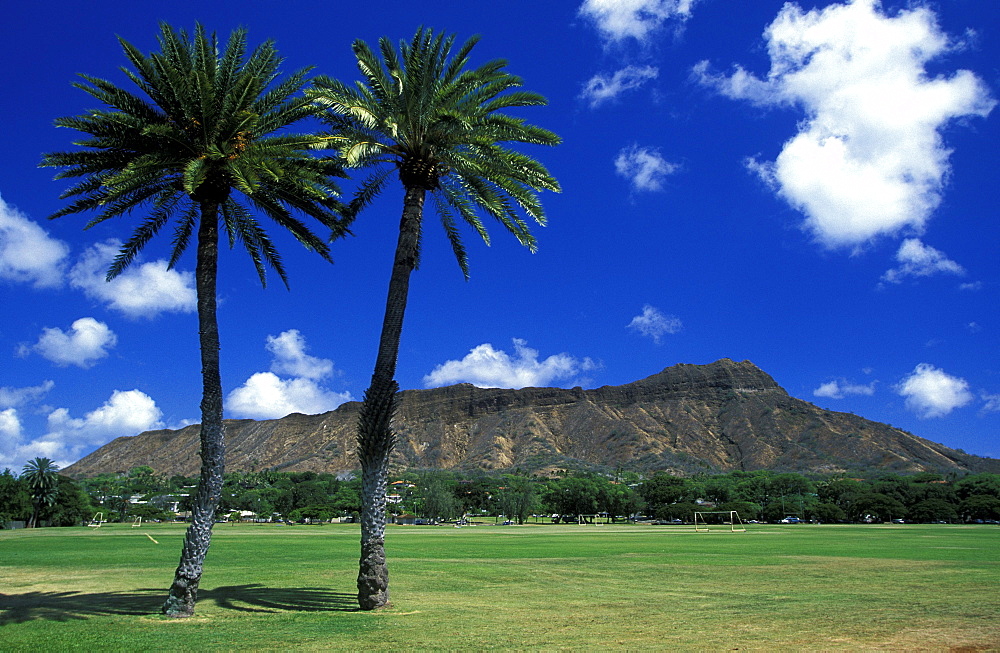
[{"x": 804, "y": 185}]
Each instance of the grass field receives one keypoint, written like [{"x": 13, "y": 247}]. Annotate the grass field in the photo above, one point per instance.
[{"x": 273, "y": 587}]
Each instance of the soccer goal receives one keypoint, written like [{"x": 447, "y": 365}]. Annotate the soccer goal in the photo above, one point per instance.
[
  {"x": 729, "y": 518},
  {"x": 96, "y": 521},
  {"x": 137, "y": 523}
]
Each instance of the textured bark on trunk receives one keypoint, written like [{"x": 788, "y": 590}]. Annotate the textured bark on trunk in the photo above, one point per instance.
[
  {"x": 184, "y": 590},
  {"x": 375, "y": 434}
]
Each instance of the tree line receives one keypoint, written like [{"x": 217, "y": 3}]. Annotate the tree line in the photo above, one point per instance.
[{"x": 435, "y": 495}]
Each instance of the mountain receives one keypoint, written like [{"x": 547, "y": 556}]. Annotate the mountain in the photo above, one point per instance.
[{"x": 719, "y": 417}]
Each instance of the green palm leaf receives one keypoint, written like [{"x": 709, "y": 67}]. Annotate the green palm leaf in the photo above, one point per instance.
[
  {"x": 421, "y": 114},
  {"x": 205, "y": 142}
]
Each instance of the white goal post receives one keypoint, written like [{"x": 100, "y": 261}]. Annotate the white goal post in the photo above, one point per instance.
[{"x": 729, "y": 518}]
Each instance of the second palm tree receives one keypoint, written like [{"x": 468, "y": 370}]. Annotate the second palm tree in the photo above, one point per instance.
[{"x": 421, "y": 113}]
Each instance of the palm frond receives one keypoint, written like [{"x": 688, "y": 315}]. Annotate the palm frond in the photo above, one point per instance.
[{"x": 202, "y": 125}]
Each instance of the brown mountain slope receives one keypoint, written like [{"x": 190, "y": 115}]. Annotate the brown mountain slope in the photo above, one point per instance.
[{"x": 723, "y": 416}]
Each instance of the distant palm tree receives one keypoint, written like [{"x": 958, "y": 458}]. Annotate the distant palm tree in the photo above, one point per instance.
[
  {"x": 422, "y": 115},
  {"x": 41, "y": 475},
  {"x": 209, "y": 127}
]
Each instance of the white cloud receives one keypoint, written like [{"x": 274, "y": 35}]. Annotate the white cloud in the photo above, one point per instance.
[
  {"x": 869, "y": 159},
  {"x": 918, "y": 260},
  {"x": 265, "y": 395},
  {"x": 618, "y": 20},
  {"x": 289, "y": 349},
  {"x": 27, "y": 253},
  {"x": 654, "y": 324},
  {"x": 486, "y": 367},
  {"x": 601, "y": 88},
  {"x": 86, "y": 342},
  {"x": 991, "y": 403},
  {"x": 14, "y": 397},
  {"x": 644, "y": 167},
  {"x": 10, "y": 430},
  {"x": 931, "y": 392},
  {"x": 142, "y": 290},
  {"x": 125, "y": 413},
  {"x": 838, "y": 389}
]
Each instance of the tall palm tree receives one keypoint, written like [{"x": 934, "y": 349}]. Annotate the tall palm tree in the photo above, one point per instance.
[
  {"x": 421, "y": 114},
  {"x": 41, "y": 475},
  {"x": 206, "y": 145}
]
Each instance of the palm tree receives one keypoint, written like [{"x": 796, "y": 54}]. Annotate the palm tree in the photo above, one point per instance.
[
  {"x": 210, "y": 127},
  {"x": 422, "y": 114},
  {"x": 43, "y": 480}
]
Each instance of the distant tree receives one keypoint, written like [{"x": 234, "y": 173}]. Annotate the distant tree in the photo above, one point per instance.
[
  {"x": 978, "y": 485},
  {"x": 347, "y": 498},
  {"x": 312, "y": 513},
  {"x": 623, "y": 501},
  {"x": 829, "y": 513},
  {"x": 72, "y": 505},
  {"x": 474, "y": 494},
  {"x": 843, "y": 493},
  {"x": 214, "y": 126},
  {"x": 438, "y": 500},
  {"x": 745, "y": 509},
  {"x": 42, "y": 478},
  {"x": 15, "y": 502},
  {"x": 518, "y": 497},
  {"x": 149, "y": 512},
  {"x": 422, "y": 115},
  {"x": 718, "y": 489},
  {"x": 877, "y": 507},
  {"x": 895, "y": 486},
  {"x": 931, "y": 510},
  {"x": 574, "y": 495},
  {"x": 662, "y": 490},
  {"x": 979, "y": 506}
]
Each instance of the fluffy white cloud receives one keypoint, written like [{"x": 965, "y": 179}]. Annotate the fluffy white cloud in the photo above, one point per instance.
[
  {"x": 27, "y": 253},
  {"x": 618, "y": 20},
  {"x": 486, "y": 367},
  {"x": 290, "y": 357},
  {"x": 838, "y": 389},
  {"x": 644, "y": 167},
  {"x": 868, "y": 159},
  {"x": 125, "y": 413},
  {"x": 14, "y": 397},
  {"x": 931, "y": 392},
  {"x": 918, "y": 260},
  {"x": 142, "y": 290},
  {"x": 654, "y": 324},
  {"x": 10, "y": 430},
  {"x": 86, "y": 342},
  {"x": 601, "y": 88},
  {"x": 265, "y": 395}
]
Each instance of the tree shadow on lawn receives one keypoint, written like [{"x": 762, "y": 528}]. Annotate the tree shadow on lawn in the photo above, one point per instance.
[{"x": 68, "y": 606}]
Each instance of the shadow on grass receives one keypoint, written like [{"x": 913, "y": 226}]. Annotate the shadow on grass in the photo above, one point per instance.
[{"x": 68, "y": 606}]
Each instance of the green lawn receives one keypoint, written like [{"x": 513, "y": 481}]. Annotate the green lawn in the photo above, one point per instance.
[{"x": 272, "y": 587}]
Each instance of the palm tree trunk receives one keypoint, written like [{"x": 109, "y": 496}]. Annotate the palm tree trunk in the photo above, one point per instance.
[
  {"x": 375, "y": 435},
  {"x": 184, "y": 591}
]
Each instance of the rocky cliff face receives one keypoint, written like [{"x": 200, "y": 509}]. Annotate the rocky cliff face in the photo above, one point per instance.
[{"x": 719, "y": 417}]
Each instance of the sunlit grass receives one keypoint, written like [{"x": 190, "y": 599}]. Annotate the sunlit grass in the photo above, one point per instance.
[{"x": 532, "y": 587}]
